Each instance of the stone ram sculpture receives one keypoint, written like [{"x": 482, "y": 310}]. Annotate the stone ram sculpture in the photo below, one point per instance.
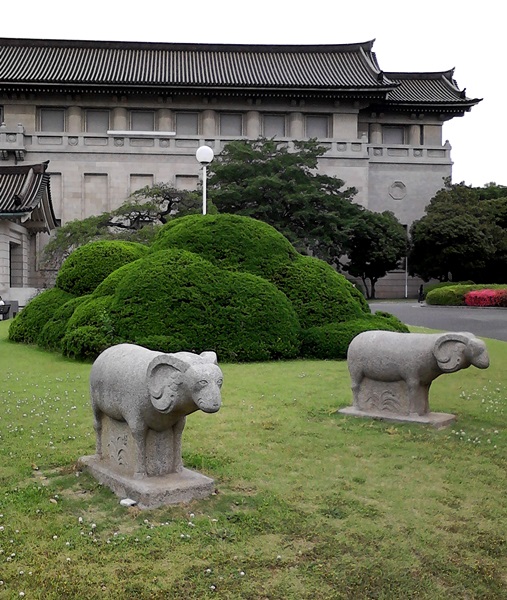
[
  {"x": 392, "y": 372},
  {"x": 151, "y": 391}
]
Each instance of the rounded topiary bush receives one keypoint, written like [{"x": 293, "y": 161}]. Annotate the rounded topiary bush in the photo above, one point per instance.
[
  {"x": 197, "y": 306},
  {"x": 85, "y": 343},
  {"x": 53, "y": 331},
  {"x": 318, "y": 293},
  {"x": 108, "y": 286},
  {"x": 28, "y": 324},
  {"x": 229, "y": 241},
  {"x": 332, "y": 341},
  {"x": 90, "y": 264}
]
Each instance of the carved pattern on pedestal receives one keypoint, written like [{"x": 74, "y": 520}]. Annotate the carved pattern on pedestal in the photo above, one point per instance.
[{"x": 118, "y": 448}]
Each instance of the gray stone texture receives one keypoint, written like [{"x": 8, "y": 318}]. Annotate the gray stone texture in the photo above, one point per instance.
[
  {"x": 140, "y": 400},
  {"x": 391, "y": 373}
]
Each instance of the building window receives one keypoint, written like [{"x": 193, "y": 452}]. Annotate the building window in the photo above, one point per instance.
[
  {"x": 187, "y": 123},
  {"x": 274, "y": 126},
  {"x": 15, "y": 265},
  {"x": 97, "y": 121},
  {"x": 231, "y": 124},
  {"x": 142, "y": 120},
  {"x": 393, "y": 135},
  {"x": 186, "y": 182},
  {"x": 52, "y": 119},
  {"x": 317, "y": 126}
]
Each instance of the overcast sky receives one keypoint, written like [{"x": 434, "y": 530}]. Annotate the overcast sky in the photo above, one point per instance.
[{"x": 434, "y": 35}]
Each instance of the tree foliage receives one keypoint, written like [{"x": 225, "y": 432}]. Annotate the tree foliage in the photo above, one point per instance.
[
  {"x": 280, "y": 185},
  {"x": 376, "y": 244},
  {"x": 462, "y": 236},
  {"x": 138, "y": 219}
]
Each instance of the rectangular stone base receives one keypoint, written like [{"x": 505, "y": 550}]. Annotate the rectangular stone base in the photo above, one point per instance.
[
  {"x": 151, "y": 492},
  {"x": 437, "y": 420}
]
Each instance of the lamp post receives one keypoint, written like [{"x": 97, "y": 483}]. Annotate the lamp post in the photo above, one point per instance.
[{"x": 204, "y": 155}]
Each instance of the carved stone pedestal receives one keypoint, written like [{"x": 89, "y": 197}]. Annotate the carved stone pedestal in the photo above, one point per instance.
[
  {"x": 166, "y": 481},
  {"x": 390, "y": 401},
  {"x": 151, "y": 492}
]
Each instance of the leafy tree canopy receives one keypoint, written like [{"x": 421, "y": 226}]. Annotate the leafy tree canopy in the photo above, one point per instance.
[
  {"x": 280, "y": 185},
  {"x": 138, "y": 219},
  {"x": 462, "y": 236},
  {"x": 376, "y": 244}
]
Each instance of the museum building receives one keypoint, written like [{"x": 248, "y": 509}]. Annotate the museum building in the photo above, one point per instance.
[{"x": 104, "y": 119}]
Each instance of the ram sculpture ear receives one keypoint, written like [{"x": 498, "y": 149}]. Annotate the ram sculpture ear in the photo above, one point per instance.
[
  {"x": 449, "y": 351},
  {"x": 210, "y": 357},
  {"x": 164, "y": 377}
]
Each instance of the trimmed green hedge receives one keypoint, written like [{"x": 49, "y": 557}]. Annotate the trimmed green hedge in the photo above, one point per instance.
[
  {"x": 230, "y": 242},
  {"x": 332, "y": 341},
  {"x": 318, "y": 293},
  {"x": 90, "y": 264},
  {"x": 248, "y": 295},
  {"x": 435, "y": 286},
  {"x": 28, "y": 324},
  {"x": 179, "y": 301},
  {"x": 454, "y": 295},
  {"x": 53, "y": 331}
]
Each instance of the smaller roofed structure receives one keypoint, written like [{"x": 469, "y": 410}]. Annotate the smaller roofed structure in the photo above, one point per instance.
[{"x": 25, "y": 197}]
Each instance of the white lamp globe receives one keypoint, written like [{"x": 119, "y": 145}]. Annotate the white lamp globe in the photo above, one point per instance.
[{"x": 204, "y": 155}]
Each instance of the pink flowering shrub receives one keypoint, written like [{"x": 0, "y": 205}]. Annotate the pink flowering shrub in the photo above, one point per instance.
[{"x": 486, "y": 298}]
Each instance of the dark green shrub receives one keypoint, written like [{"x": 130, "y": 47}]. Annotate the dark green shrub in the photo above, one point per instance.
[
  {"x": 184, "y": 298},
  {"x": 230, "y": 242},
  {"x": 90, "y": 264},
  {"x": 332, "y": 341},
  {"x": 84, "y": 343},
  {"x": 95, "y": 312},
  {"x": 108, "y": 286},
  {"x": 28, "y": 324},
  {"x": 318, "y": 293},
  {"x": 53, "y": 331}
]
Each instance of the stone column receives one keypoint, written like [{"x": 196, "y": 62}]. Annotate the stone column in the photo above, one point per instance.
[
  {"x": 165, "y": 119},
  {"x": 253, "y": 124},
  {"x": 209, "y": 123},
  {"x": 296, "y": 125},
  {"x": 375, "y": 133},
  {"x": 414, "y": 135},
  {"x": 74, "y": 119},
  {"x": 120, "y": 118}
]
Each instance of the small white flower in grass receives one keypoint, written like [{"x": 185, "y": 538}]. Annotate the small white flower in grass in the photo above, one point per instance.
[
  {"x": 67, "y": 559},
  {"x": 192, "y": 515},
  {"x": 93, "y": 525},
  {"x": 241, "y": 573},
  {"x": 208, "y": 571},
  {"x": 21, "y": 594},
  {"x": 55, "y": 537},
  {"x": 212, "y": 587}
]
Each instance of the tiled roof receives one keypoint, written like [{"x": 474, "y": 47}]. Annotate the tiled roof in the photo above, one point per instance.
[
  {"x": 438, "y": 89},
  {"x": 349, "y": 70},
  {"x": 25, "y": 195},
  {"x": 81, "y": 63}
]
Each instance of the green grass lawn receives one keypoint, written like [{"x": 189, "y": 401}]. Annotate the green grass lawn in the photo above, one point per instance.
[{"x": 309, "y": 503}]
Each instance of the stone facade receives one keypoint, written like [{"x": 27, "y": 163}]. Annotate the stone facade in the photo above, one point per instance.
[{"x": 391, "y": 150}]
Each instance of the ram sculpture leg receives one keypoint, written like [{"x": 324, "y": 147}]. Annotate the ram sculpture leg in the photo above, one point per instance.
[
  {"x": 139, "y": 434},
  {"x": 417, "y": 397},
  {"x": 177, "y": 430},
  {"x": 97, "y": 426}
]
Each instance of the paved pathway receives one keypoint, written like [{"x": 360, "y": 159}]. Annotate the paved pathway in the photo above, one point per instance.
[{"x": 485, "y": 322}]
